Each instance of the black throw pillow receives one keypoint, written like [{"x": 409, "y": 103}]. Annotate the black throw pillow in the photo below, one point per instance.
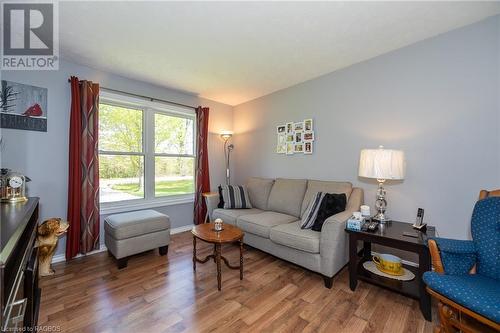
[
  {"x": 332, "y": 204},
  {"x": 221, "y": 199}
]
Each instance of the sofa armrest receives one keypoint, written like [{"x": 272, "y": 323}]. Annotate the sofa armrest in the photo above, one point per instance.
[
  {"x": 212, "y": 201},
  {"x": 452, "y": 256},
  {"x": 333, "y": 239}
]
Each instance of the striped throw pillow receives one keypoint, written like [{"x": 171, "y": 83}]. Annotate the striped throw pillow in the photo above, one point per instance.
[
  {"x": 311, "y": 212},
  {"x": 235, "y": 197}
]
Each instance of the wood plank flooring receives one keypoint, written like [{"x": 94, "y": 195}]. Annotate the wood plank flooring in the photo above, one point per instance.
[{"x": 162, "y": 294}]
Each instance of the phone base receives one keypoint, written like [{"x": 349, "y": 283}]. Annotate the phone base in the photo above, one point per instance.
[{"x": 422, "y": 227}]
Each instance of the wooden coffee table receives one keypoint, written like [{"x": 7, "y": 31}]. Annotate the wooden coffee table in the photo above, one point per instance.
[{"x": 230, "y": 234}]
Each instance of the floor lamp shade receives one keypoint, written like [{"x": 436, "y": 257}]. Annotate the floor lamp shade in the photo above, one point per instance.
[{"x": 382, "y": 164}]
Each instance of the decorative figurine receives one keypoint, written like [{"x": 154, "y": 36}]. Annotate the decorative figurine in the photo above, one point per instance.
[
  {"x": 218, "y": 225},
  {"x": 48, "y": 235}
]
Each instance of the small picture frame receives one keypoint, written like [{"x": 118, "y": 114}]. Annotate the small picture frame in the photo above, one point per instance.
[
  {"x": 298, "y": 127},
  {"x": 289, "y": 128},
  {"x": 308, "y": 125},
  {"x": 290, "y": 148},
  {"x": 308, "y": 136},
  {"x": 298, "y": 148},
  {"x": 298, "y": 137},
  {"x": 290, "y": 137},
  {"x": 281, "y": 144},
  {"x": 281, "y": 129},
  {"x": 308, "y": 148}
]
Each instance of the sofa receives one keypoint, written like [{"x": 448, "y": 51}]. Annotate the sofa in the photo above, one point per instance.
[{"x": 272, "y": 225}]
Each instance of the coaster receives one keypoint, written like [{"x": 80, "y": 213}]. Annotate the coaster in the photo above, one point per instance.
[{"x": 371, "y": 267}]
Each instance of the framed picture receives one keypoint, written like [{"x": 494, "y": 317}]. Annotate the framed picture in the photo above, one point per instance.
[
  {"x": 281, "y": 129},
  {"x": 23, "y": 107},
  {"x": 299, "y": 148},
  {"x": 290, "y": 148},
  {"x": 290, "y": 137},
  {"x": 308, "y": 148},
  {"x": 281, "y": 148},
  {"x": 298, "y": 126},
  {"x": 289, "y": 127},
  {"x": 298, "y": 137},
  {"x": 308, "y": 136},
  {"x": 308, "y": 125}
]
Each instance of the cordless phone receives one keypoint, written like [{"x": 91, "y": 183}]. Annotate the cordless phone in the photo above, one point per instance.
[{"x": 420, "y": 219}]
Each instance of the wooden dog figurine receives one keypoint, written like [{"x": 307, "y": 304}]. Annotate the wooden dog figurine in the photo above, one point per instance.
[{"x": 48, "y": 234}]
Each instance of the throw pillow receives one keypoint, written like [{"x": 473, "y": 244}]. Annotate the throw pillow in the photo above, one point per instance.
[
  {"x": 235, "y": 197},
  {"x": 221, "y": 199},
  {"x": 331, "y": 204},
  {"x": 311, "y": 212}
]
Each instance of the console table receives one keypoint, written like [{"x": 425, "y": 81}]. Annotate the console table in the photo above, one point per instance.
[{"x": 390, "y": 234}]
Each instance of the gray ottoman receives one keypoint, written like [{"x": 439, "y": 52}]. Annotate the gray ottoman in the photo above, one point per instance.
[{"x": 135, "y": 232}]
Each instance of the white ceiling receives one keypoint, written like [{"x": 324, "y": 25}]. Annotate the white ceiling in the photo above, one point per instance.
[{"x": 233, "y": 52}]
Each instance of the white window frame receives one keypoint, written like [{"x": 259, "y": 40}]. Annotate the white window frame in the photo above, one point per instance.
[{"x": 149, "y": 109}]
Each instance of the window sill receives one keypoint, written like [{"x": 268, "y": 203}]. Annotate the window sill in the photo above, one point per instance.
[{"x": 126, "y": 206}]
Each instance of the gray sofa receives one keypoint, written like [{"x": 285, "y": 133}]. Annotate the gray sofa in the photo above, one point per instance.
[{"x": 272, "y": 225}]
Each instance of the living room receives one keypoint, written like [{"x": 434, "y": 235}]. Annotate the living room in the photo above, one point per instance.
[{"x": 250, "y": 166}]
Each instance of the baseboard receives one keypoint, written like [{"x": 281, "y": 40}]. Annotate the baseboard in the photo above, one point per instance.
[
  {"x": 178, "y": 230},
  {"x": 62, "y": 257}
]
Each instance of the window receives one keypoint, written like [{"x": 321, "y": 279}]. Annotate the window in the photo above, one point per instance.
[{"x": 146, "y": 152}]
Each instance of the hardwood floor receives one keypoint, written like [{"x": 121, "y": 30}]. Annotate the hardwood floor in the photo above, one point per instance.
[{"x": 162, "y": 294}]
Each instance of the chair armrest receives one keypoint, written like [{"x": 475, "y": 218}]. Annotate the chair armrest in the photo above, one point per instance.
[
  {"x": 452, "y": 256},
  {"x": 212, "y": 201}
]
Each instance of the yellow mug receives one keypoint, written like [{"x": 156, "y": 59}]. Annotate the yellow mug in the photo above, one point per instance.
[{"x": 389, "y": 264}]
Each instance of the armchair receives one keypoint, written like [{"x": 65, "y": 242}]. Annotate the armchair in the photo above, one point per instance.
[{"x": 466, "y": 276}]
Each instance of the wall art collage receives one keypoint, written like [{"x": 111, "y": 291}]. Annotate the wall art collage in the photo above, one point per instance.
[{"x": 295, "y": 138}]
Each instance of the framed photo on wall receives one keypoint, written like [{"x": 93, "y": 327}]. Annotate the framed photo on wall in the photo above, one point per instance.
[
  {"x": 298, "y": 127},
  {"x": 308, "y": 125},
  {"x": 308, "y": 148},
  {"x": 281, "y": 129},
  {"x": 308, "y": 136}
]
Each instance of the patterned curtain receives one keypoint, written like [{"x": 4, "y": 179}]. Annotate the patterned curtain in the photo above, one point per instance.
[
  {"x": 83, "y": 183},
  {"x": 202, "y": 178}
]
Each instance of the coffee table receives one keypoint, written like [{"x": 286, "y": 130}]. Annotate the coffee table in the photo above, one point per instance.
[{"x": 229, "y": 234}]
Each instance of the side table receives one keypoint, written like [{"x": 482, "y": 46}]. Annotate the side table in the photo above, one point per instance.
[{"x": 390, "y": 234}]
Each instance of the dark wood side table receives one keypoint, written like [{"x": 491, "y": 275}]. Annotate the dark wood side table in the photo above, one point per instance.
[
  {"x": 391, "y": 235},
  {"x": 229, "y": 234}
]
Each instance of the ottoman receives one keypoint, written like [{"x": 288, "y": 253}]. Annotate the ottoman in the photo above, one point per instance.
[{"x": 135, "y": 232}]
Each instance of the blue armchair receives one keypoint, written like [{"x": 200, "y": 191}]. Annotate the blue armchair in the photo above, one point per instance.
[{"x": 466, "y": 276}]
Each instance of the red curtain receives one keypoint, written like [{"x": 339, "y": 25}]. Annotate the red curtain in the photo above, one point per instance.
[
  {"x": 202, "y": 177},
  {"x": 83, "y": 182}
]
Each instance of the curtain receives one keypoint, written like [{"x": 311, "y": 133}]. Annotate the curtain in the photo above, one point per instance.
[
  {"x": 202, "y": 178},
  {"x": 83, "y": 182}
]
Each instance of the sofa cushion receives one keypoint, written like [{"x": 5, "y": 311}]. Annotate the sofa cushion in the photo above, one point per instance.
[
  {"x": 287, "y": 195},
  {"x": 293, "y": 236},
  {"x": 315, "y": 186},
  {"x": 230, "y": 215},
  {"x": 261, "y": 224},
  {"x": 258, "y": 190},
  {"x": 474, "y": 291},
  {"x": 132, "y": 224}
]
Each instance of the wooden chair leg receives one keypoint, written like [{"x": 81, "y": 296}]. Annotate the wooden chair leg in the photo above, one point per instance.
[{"x": 445, "y": 316}]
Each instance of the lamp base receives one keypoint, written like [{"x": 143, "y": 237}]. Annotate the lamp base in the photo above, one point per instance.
[{"x": 381, "y": 218}]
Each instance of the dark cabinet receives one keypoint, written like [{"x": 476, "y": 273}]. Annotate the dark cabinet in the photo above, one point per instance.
[{"x": 19, "y": 291}]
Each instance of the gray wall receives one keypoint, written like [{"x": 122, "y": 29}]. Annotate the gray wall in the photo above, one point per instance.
[
  {"x": 44, "y": 156},
  {"x": 438, "y": 100}
]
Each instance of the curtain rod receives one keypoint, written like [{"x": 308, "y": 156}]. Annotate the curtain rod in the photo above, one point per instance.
[{"x": 145, "y": 97}]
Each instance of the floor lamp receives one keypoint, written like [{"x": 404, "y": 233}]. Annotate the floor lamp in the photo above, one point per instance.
[{"x": 226, "y": 135}]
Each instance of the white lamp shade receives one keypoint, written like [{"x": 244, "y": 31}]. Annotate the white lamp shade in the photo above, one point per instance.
[{"x": 382, "y": 164}]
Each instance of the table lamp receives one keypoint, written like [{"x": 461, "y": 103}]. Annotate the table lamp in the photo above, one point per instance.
[{"x": 382, "y": 164}]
